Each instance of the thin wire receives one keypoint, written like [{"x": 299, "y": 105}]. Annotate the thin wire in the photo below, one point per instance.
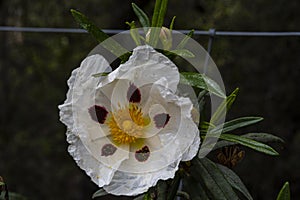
[{"x": 116, "y": 31}]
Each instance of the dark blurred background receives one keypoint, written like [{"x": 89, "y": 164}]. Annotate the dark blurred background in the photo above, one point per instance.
[{"x": 34, "y": 68}]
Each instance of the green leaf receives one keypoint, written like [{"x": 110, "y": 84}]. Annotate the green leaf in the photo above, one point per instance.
[
  {"x": 249, "y": 143},
  {"x": 183, "y": 53},
  {"x": 201, "y": 81},
  {"x": 162, "y": 13},
  {"x": 159, "y": 13},
  {"x": 263, "y": 137},
  {"x": 134, "y": 32},
  {"x": 147, "y": 196},
  {"x": 161, "y": 190},
  {"x": 107, "y": 42},
  {"x": 260, "y": 137},
  {"x": 86, "y": 24},
  {"x": 192, "y": 185},
  {"x": 224, "y": 107},
  {"x": 99, "y": 193},
  {"x": 184, "y": 195},
  {"x": 156, "y": 12},
  {"x": 157, "y": 20},
  {"x": 284, "y": 193},
  {"x": 204, "y": 127},
  {"x": 142, "y": 16},
  {"x": 182, "y": 44},
  {"x": 172, "y": 23},
  {"x": 1, "y": 183},
  {"x": 235, "y": 124},
  {"x": 214, "y": 180},
  {"x": 235, "y": 181},
  {"x": 174, "y": 187}
]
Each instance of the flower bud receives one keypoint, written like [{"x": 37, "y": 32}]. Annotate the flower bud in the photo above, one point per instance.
[{"x": 165, "y": 37}]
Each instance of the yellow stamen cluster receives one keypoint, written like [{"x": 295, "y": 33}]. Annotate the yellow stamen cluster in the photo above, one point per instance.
[{"x": 127, "y": 124}]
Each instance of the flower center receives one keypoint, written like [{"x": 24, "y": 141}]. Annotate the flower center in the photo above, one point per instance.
[{"x": 127, "y": 124}]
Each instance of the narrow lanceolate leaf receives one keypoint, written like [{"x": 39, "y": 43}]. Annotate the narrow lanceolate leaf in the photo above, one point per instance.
[
  {"x": 201, "y": 81},
  {"x": 156, "y": 12},
  {"x": 99, "y": 193},
  {"x": 204, "y": 126},
  {"x": 192, "y": 185},
  {"x": 134, "y": 33},
  {"x": 284, "y": 193},
  {"x": 86, "y": 24},
  {"x": 107, "y": 42},
  {"x": 157, "y": 20},
  {"x": 142, "y": 16},
  {"x": 174, "y": 187},
  {"x": 214, "y": 180},
  {"x": 259, "y": 137},
  {"x": 263, "y": 137},
  {"x": 183, "y": 194},
  {"x": 162, "y": 13},
  {"x": 235, "y": 124},
  {"x": 249, "y": 143},
  {"x": 224, "y": 107},
  {"x": 182, "y": 44},
  {"x": 161, "y": 190},
  {"x": 183, "y": 53},
  {"x": 235, "y": 181},
  {"x": 172, "y": 23}
]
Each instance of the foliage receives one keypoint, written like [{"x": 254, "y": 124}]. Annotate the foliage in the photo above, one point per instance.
[{"x": 284, "y": 193}]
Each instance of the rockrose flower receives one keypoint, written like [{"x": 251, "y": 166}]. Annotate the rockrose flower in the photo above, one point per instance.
[{"x": 129, "y": 129}]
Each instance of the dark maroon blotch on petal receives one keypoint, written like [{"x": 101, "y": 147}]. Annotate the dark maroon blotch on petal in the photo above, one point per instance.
[
  {"x": 98, "y": 113},
  {"x": 161, "y": 120},
  {"x": 143, "y": 154},
  {"x": 133, "y": 94},
  {"x": 108, "y": 150}
]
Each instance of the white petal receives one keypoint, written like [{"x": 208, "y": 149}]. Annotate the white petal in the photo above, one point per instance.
[
  {"x": 132, "y": 184},
  {"x": 100, "y": 174},
  {"x": 181, "y": 134},
  {"x": 80, "y": 76},
  {"x": 65, "y": 113},
  {"x": 85, "y": 135},
  {"x": 192, "y": 150},
  {"x": 175, "y": 138},
  {"x": 143, "y": 68}
]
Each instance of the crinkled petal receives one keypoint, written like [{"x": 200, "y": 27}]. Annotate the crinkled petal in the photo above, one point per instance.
[
  {"x": 131, "y": 184},
  {"x": 84, "y": 134},
  {"x": 143, "y": 68},
  {"x": 192, "y": 150},
  {"x": 99, "y": 173},
  {"x": 175, "y": 143}
]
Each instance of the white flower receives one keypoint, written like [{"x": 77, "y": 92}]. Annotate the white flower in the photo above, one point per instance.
[{"x": 129, "y": 129}]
